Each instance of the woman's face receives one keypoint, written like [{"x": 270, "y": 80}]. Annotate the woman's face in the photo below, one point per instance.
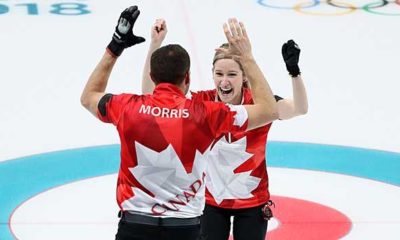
[{"x": 228, "y": 80}]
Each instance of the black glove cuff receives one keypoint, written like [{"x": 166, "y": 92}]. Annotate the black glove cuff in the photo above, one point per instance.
[
  {"x": 294, "y": 70},
  {"x": 115, "y": 48}
]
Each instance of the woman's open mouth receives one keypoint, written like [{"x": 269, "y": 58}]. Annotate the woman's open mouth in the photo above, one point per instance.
[{"x": 225, "y": 90}]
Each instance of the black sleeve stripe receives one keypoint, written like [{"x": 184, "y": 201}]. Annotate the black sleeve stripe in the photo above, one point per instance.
[
  {"x": 277, "y": 98},
  {"x": 102, "y": 104}
]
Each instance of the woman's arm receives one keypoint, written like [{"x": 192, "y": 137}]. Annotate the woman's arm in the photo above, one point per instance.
[
  {"x": 289, "y": 108},
  {"x": 298, "y": 105}
]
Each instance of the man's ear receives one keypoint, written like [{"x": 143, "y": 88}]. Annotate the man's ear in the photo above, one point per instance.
[
  {"x": 152, "y": 78},
  {"x": 187, "y": 78}
]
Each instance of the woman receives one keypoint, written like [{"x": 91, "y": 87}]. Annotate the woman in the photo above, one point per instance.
[{"x": 236, "y": 177}]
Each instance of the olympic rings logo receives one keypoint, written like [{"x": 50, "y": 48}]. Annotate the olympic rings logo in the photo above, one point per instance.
[{"x": 335, "y": 7}]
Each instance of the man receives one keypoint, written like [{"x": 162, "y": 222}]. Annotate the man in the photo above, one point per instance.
[{"x": 165, "y": 137}]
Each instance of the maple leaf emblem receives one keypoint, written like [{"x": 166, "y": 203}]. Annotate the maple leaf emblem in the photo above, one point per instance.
[
  {"x": 163, "y": 174},
  {"x": 221, "y": 181}
]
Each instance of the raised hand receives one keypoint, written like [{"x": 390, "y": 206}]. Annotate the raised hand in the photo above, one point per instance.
[
  {"x": 291, "y": 54},
  {"x": 158, "y": 32},
  {"x": 239, "y": 43},
  {"x": 123, "y": 36}
]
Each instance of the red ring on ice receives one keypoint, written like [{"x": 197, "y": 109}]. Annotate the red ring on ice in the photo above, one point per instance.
[{"x": 305, "y": 220}]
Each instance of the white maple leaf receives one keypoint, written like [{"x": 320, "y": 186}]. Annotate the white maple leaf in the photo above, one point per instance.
[
  {"x": 221, "y": 181},
  {"x": 163, "y": 174}
]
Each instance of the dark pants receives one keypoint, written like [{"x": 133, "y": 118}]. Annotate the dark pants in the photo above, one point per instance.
[
  {"x": 135, "y": 231},
  {"x": 248, "y": 223}
]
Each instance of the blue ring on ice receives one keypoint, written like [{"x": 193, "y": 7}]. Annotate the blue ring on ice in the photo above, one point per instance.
[{"x": 25, "y": 177}]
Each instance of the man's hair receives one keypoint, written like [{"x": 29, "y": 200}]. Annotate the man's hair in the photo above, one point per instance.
[{"x": 169, "y": 64}]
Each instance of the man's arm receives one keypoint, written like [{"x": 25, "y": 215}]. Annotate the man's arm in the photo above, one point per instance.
[
  {"x": 158, "y": 33},
  {"x": 123, "y": 38},
  {"x": 264, "y": 110},
  {"x": 97, "y": 83},
  {"x": 289, "y": 108}
]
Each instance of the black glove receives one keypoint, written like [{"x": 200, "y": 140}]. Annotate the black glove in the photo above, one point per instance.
[
  {"x": 123, "y": 36},
  {"x": 291, "y": 53}
]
